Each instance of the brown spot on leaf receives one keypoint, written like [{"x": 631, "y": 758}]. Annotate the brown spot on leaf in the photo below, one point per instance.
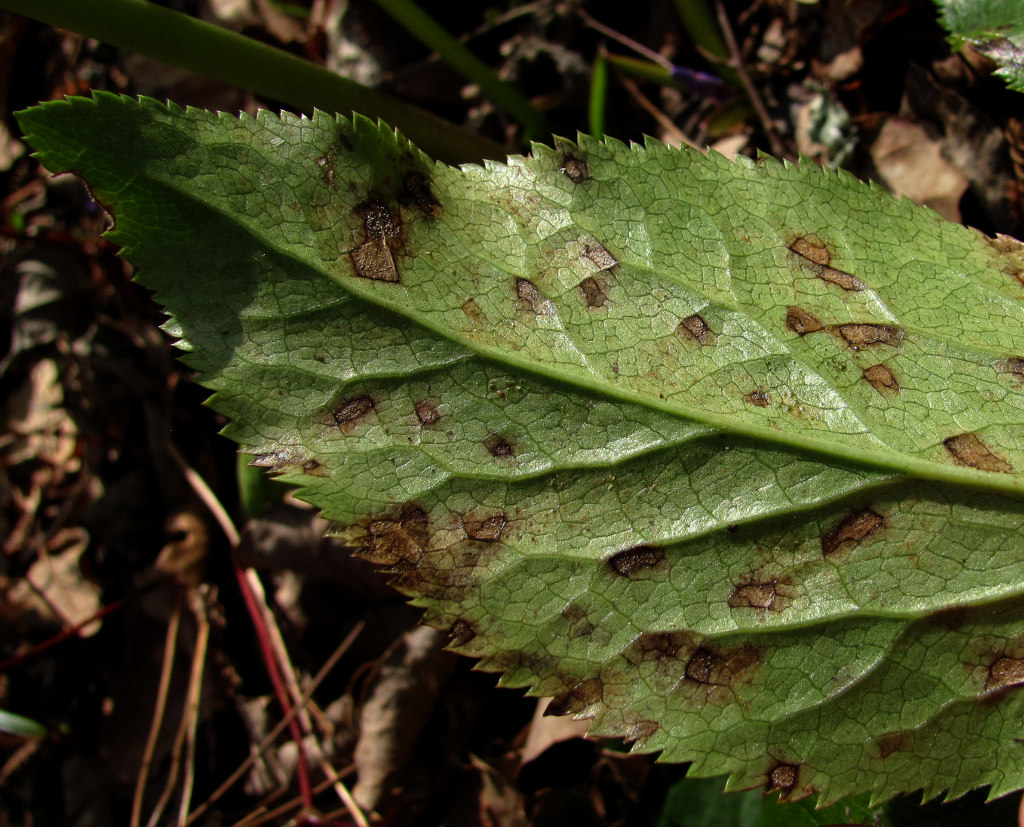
[
  {"x": 528, "y": 297},
  {"x": 382, "y": 230},
  {"x": 594, "y": 292},
  {"x": 783, "y": 778},
  {"x": 418, "y": 194},
  {"x": 1015, "y": 367},
  {"x": 427, "y": 413},
  {"x": 639, "y": 558},
  {"x": 577, "y": 699},
  {"x": 659, "y": 646},
  {"x": 882, "y": 379},
  {"x": 814, "y": 255},
  {"x": 348, "y": 413},
  {"x": 758, "y": 398},
  {"x": 812, "y": 249},
  {"x": 755, "y": 595},
  {"x": 400, "y": 538},
  {"x": 327, "y": 164},
  {"x": 640, "y": 731},
  {"x": 852, "y": 531},
  {"x": 1005, "y": 672},
  {"x": 801, "y": 322},
  {"x": 580, "y": 624},
  {"x": 473, "y": 311},
  {"x": 859, "y": 335},
  {"x": 695, "y": 328},
  {"x": 597, "y": 255},
  {"x": 461, "y": 633},
  {"x": 725, "y": 669},
  {"x": 1009, "y": 255},
  {"x": 314, "y": 468},
  {"x": 499, "y": 446},
  {"x": 575, "y": 169},
  {"x": 892, "y": 742},
  {"x": 968, "y": 449},
  {"x": 485, "y": 529}
]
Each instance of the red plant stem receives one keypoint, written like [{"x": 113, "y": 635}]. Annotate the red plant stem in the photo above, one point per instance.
[{"x": 302, "y": 771}]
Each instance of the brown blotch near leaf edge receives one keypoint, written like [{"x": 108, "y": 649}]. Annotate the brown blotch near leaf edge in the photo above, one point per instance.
[
  {"x": 633, "y": 560},
  {"x": 461, "y": 633},
  {"x": 1014, "y": 366},
  {"x": 968, "y": 449},
  {"x": 576, "y": 169},
  {"x": 882, "y": 379},
  {"x": 1004, "y": 672},
  {"x": 696, "y": 329},
  {"x": 852, "y": 531},
  {"x": 398, "y": 539},
  {"x": 801, "y": 322},
  {"x": 582, "y": 695},
  {"x": 783, "y": 778}
]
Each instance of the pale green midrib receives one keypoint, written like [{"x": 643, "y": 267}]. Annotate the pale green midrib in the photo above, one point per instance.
[{"x": 993, "y": 481}]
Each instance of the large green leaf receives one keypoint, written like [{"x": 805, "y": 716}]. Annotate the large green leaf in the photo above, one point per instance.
[{"x": 726, "y": 456}]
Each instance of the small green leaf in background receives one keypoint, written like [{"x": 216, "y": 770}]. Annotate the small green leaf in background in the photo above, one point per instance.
[
  {"x": 995, "y": 28},
  {"x": 725, "y": 456},
  {"x": 14, "y": 724}
]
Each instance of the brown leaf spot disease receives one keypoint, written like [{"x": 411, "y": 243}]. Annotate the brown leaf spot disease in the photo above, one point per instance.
[
  {"x": 499, "y": 446},
  {"x": 593, "y": 292},
  {"x": 484, "y": 529},
  {"x": 1005, "y": 672},
  {"x": 374, "y": 258},
  {"x": 633, "y": 560},
  {"x": 575, "y": 169},
  {"x": 584, "y": 694},
  {"x": 696, "y": 329},
  {"x": 859, "y": 335},
  {"x": 813, "y": 254},
  {"x": 754, "y": 595},
  {"x": 852, "y": 531},
  {"x": 598, "y": 256},
  {"x": 758, "y": 398},
  {"x": 348, "y": 413},
  {"x": 427, "y": 413},
  {"x": 882, "y": 379},
  {"x": 417, "y": 194},
  {"x": 783, "y": 777},
  {"x": 398, "y": 539},
  {"x": 968, "y": 449},
  {"x": 528, "y": 297},
  {"x": 726, "y": 669},
  {"x": 801, "y": 322}
]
